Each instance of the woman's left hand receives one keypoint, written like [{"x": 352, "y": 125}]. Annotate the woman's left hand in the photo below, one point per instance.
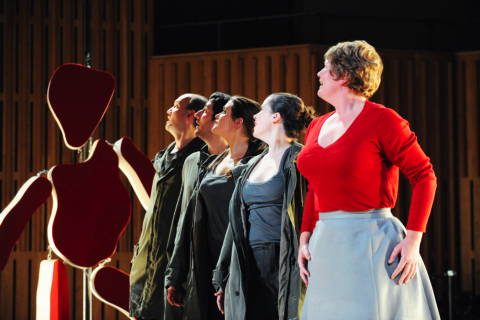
[{"x": 409, "y": 250}]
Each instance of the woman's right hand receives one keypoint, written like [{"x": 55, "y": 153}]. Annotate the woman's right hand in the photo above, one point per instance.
[
  {"x": 219, "y": 295},
  {"x": 304, "y": 256}
]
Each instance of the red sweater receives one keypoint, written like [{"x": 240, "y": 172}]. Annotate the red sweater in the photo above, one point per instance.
[{"x": 359, "y": 171}]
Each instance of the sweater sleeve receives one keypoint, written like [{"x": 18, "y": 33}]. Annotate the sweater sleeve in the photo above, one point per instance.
[
  {"x": 401, "y": 148},
  {"x": 309, "y": 218}
]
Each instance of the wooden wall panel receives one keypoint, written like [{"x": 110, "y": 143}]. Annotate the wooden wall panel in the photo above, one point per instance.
[
  {"x": 468, "y": 101},
  {"x": 35, "y": 38}
]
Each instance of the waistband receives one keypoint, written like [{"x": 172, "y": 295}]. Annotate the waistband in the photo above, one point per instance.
[{"x": 367, "y": 214}]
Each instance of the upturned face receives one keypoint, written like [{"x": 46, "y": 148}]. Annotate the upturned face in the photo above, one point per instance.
[
  {"x": 205, "y": 120},
  {"x": 264, "y": 120},
  {"x": 224, "y": 123},
  {"x": 328, "y": 85},
  {"x": 178, "y": 116}
]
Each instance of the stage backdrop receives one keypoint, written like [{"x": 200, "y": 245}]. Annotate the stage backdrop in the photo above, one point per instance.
[{"x": 438, "y": 94}]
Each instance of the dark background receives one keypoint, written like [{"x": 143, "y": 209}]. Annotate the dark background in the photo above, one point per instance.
[{"x": 188, "y": 26}]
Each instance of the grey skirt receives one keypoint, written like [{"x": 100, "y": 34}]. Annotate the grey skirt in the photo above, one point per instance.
[{"x": 350, "y": 276}]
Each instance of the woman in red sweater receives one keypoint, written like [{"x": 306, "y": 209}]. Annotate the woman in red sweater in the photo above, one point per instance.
[{"x": 357, "y": 259}]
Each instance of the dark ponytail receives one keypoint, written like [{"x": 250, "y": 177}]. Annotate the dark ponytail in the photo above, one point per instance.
[{"x": 295, "y": 115}]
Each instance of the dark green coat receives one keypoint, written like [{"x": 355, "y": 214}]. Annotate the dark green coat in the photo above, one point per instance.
[
  {"x": 150, "y": 255},
  {"x": 233, "y": 266},
  {"x": 178, "y": 267},
  {"x": 188, "y": 267}
]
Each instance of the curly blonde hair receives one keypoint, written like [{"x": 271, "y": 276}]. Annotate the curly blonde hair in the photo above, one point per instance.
[{"x": 359, "y": 63}]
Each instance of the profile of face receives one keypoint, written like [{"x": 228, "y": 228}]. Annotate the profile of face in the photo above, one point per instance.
[
  {"x": 179, "y": 118},
  {"x": 265, "y": 119},
  {"x": 224, "y": 123},
  {"x": 328, "y": 84},
  {"x": 205, "y": 120}
]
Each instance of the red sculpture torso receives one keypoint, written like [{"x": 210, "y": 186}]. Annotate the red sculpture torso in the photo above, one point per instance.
[{"x": 91, "y": 208}]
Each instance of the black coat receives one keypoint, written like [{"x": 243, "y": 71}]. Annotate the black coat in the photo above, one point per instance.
[
  {"x": 233, "y": 266},
  {"x": 150, "y": 255},
  {"x": 189, "y": 267}
]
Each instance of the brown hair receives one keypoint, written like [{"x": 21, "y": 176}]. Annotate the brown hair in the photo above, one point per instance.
[
  {"x": 244, "y": 108},
  {"x": 359, "y": 63},
  {"x": 295, "y": 115}
]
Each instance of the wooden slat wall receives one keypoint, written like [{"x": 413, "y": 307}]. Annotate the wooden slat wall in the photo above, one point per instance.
[
  {"x": 468, "y": 121},
  {"x": 420, "y": 86},
  {"x": 36, "y": 36},
  {"x": 253, "y": 73}
]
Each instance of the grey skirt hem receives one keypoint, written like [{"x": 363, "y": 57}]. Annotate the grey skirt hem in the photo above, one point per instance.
[{"x": 350, "y": 275}]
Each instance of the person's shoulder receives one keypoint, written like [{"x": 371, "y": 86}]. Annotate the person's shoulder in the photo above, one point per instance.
[
  {"x": 247, "y": 163},
  {"x": 191, "y": 160},
  {"x": 160, "y": 153},
  {"x": 387, "y": 120},
  {"x": 193, "y": 157},
  {"x": 320, "y": 118},
  {"x": 384, "y": 113}
]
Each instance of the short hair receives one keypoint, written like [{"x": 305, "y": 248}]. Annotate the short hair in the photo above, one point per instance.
[
  {"x": 245, "y": 108},
  {"x": 196, "y": 102},
  {"x": 359, "y": 63},
  {"x": 219, "y": 99},
  {"x": 295, "y": 115}
]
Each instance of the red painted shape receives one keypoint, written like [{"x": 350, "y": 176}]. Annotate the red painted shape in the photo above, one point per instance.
[
  {"x": 59, "y": 294},
  {"x": 34, "y": 192},
  {"x": 78, "y": 98},
  {"x": 111, "y": 286},
  {"x": 139, "y": 161},
  {"x": 91, "y": 208},
  {"x": 137, "y": 168}
]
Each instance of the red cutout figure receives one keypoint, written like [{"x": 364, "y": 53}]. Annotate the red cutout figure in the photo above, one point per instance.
[{"x": 91, "y": 207}]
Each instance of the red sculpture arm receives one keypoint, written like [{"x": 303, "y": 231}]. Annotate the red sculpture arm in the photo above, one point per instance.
[
  {"x": 91, "y": 208},
  {"x": 137, "y": 168},
  {"x": 15, "y": 216}
]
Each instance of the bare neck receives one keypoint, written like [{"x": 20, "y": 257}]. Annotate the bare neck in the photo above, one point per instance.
[
  {"x": 182, "y": 139},
  {"x": 215, "y": 143},
  {"x": 348, "y": 106}
]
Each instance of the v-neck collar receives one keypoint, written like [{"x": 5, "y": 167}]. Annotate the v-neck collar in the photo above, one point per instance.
[{"x": 366, "y": 105}]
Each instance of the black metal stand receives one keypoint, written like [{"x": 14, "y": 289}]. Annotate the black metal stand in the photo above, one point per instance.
[
  {"x": 450, "y": 274},
  {"x": 87, "y": 292}
]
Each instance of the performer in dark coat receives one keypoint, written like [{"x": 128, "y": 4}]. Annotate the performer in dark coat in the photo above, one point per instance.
[
  {"x": 256, "y": 271},
  {"x": 150, "y": 256}
]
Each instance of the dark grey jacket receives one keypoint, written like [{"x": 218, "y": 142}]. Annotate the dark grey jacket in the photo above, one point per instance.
[
  {"x": 233, "y": 266},
  {"x": 188, "y": 267},
  {"x": 150, "y": 255}
]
